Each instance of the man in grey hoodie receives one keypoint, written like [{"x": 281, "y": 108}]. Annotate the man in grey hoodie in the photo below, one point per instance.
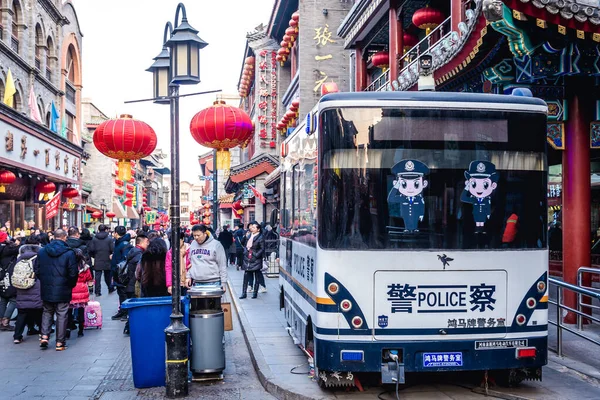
[{"x": 207, "y": 258}]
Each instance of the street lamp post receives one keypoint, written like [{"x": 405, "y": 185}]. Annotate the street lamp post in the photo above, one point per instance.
[
  {"x": 177, "y": 64},
  {"x": 103, "y": 208}
]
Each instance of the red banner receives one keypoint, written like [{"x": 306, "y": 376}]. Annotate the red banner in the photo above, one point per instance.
[
  {"x": 52, "y": 206},
  {"x": 257, "y": 194}
]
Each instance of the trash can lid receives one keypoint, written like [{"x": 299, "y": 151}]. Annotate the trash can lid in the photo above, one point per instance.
[
  {"x": 146, "y": 302},
  {"x": 206, "y": 291}
]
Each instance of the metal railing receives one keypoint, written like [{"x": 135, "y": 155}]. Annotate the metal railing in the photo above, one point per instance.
[
  {"x": 560, "y": 306},
  {"x": 379, "y": 84},
  {"x": 580, "y": 272}
]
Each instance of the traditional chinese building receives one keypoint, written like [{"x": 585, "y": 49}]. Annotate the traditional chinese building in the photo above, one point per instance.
[
  {"x": 494, "y": 46},
  {"x": 286, "y": 65},
  {"x": 40, "y": 113}
]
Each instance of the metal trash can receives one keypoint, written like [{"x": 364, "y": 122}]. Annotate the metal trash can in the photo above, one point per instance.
[{"x": 207, "y": 333}]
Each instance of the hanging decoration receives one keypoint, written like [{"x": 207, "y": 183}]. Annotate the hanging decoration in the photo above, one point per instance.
[
  {"x": 110, "y": 214},
  {"x": 221, "y": 127},
  {"x": 6, "y": 178},
  {"x": 125, "y": 139},
  {"x": 288, "y": 40},
  {"x": 45, "y": 188},
  {"x": 381, "y": 59},
  {"x": 70, "y": 193},
  {"x": 96, "y": 214},
  {"x": 409, "y": 41},
  {"x": 267, "y": 101},
  {"x": 427, "y": 18},
  {"x": 247, "y": 77}
]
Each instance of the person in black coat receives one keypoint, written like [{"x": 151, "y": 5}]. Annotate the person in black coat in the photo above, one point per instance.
[
  {"x": 29, "y": 301},
  {"x": 57, "y": 269},
  {"x": 238, "y": 237},
  {"x": 122, "y": 247},
  {"x": 134, "y": 257},
  {"x": 225, "y": 238},
  {"x": 152, "y": 268},
  {"x": 8, "y": 254},
  {"x": 101, "y": 248},
  {"x": 253, "y": 259}
]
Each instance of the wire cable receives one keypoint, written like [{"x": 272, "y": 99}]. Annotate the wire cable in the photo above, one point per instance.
[{"x": 298, "y": 366}]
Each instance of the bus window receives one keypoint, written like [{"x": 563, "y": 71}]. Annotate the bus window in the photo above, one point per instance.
[
  {"x": 303, "y": 227},
  {"x": 369, "y": 153}
]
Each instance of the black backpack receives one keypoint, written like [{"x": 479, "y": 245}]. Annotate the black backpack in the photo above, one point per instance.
[{"x": 123, "y": 268}]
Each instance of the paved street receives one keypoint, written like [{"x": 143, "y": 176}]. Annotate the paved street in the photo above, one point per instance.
[
  {"x": 98, "y": 366},
  {"x": 275, "y": 355}
]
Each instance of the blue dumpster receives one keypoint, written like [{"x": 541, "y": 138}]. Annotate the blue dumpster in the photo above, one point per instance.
[{"x": 148, "y": 318}]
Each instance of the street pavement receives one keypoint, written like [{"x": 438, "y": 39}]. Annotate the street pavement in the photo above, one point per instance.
[
  {"x": 274, "y": 356},
  {"x": 98, "y": 366}
]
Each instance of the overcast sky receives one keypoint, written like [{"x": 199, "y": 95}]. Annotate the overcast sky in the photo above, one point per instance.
[{"x": 120, "y": 38}]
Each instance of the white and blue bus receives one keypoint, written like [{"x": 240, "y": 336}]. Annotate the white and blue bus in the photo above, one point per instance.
[{"x": 413, "y": 233}]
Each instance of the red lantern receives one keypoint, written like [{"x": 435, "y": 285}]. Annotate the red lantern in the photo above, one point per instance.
[
  {"x": 294, "y": 24},
  {"x": 291, "y": 115},
  {"x": 129, "y": 195},
  {"x": 129, "y": 187},
  {"x": 285, "y": 43},
  {"x": 381, "y": 59},
  {"x": 70, "y": 193},
  {"x": 110, "y": 214},
  {"x": 249, "y": 62},
  {"x": 283, "y": 51},
  {"x": 296, "y": 103},
  {"x": 147, "y": 208},
  {"x": 427, "y": 18},
  {"x": 206, "y": 221},
  {"x": 329, "y": 87},
  {"x": 119, "y": 192},
  {"x": 296, "y": 16},
  {"x": 291, "y": 32},
  {"x": 46, "y": 188},
  {"x": 132, "y": 180},
  {"x": 125, "y": 139},
  {"x": 6, "y": 178},
  {"x": 221, "y": 127},
  {"x": 409, "y": 41},
  {"x": 96, "y": 214},
  {"x": 118, "y": 182}
]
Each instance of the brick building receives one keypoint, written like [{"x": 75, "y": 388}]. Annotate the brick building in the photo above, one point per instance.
[{"x": 40, "y": 44}]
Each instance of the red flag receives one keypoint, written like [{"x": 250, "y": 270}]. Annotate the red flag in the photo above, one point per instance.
[
  {"x": 257, "y": 194},
  {"x": 52, "y": 206}
]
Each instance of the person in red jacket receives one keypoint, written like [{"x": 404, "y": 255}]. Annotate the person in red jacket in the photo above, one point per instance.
[{"x": 81, "y": 295}]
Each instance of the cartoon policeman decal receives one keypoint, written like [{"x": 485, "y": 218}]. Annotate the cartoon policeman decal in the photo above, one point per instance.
[
  {"x": 481, "y": 181},
  {"x": 406, "y": 194}
]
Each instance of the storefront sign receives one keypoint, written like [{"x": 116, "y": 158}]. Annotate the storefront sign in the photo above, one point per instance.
[{"x": 52, "y": 206}]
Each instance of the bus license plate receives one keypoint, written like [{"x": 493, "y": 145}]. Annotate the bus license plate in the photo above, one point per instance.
[{"x": 452, "y": 359}]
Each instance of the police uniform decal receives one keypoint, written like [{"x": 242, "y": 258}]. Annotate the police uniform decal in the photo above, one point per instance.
[
  {"x": 406, "y": 197},
  {"x": 481, "y": 181}
]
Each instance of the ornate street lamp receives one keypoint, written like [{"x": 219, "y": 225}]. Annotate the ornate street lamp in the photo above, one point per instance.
[{"x": 177, "y": 64}]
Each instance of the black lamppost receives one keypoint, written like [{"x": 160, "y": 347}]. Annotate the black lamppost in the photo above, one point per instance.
[
  {"x": 103, "y": 208},
  {"x": 177, "y": 64}
]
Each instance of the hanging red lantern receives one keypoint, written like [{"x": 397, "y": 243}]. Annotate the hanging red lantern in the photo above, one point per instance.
[
  {"x": 285, "y": 43},
  {"x": 46, "y": 188},
  {"x": 427, "y": 18},
  {"x": 96, "y": 214},
  {"x": 129, "y": 187},
  {"x": 110, "y": 214},
  {"x": 381, "y": 59},
  {"x": 329, "y": 87},
  {"x": 291, "y": 32},
  {"x": 249, "y": 62},
  {"x": 296, "y": 16},
  {"x": 296, "y": 103},
  {"x": 409, "y": 41},
  {"x": 291, "y": 115},
  {"x": 119, "y": 182},
  {"x": 125, "y": 139},
  {"x": 221, "y": 127},
  {"x": 129, "y": 195},
  {"x": 70, "y": 193},
  {"x": 294, "y": 24},
  {"x": 6, "y": 178},
  {"x": 147, "y": 208},
  {"x": 119, "y": 192},
  {"x": 132, "y": 180},
  {"x": 206, "y": 221}
]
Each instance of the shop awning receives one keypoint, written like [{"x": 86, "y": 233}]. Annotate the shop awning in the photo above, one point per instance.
[
  {"x": 118, "y": 209},
  {"x": 92, "y": 208},
  {"x": 132, "y": 213}
]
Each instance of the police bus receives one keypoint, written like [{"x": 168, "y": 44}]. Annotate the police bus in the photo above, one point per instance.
[{"x": 413, "y": 235}]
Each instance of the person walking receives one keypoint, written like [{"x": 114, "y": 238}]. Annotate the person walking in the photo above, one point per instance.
[
  {"x": 151, "y": 272},
  {"x": 225, "y": 238},
  {"x": 239, "y": 238},
  {"x": 122, "y": 246},
  {"x": 9, "y": 251},
  {"x": 134, "y": 257},
  {"x": 101, "y": 249},
  {"x": 80, "y": 295},
  {"x": 183, "y": 265},
  {"x": 57, "y": 269},
  {"x": 29, "y": 301},
  {"x": 207, "y": 259},
  {"x": 253, "y": 259}
]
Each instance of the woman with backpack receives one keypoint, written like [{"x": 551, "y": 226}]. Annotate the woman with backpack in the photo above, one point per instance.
[
  {"x": 29, "y": 300},
  {"x": 8, "y": 254}
]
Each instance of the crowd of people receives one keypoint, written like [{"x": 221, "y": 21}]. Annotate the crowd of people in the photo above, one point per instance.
[{"x": 69, "y": 265}]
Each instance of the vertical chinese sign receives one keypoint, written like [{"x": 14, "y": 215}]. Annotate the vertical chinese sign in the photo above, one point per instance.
[
  {"x": 267, "y": 98},
  {"x": 322, "y": 40}
]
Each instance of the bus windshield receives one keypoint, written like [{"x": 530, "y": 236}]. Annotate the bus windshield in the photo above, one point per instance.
[{"x": 432, "y": 179}]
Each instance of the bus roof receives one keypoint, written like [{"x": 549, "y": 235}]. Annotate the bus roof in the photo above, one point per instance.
[{"x": 445, "y": 97}]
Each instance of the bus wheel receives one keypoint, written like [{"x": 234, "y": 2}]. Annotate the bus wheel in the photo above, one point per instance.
[{"x": 509, "y": 377}]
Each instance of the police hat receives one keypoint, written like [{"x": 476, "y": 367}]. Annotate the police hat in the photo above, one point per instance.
[
  {"x": 410, "y": 169},
  {"x": 481, "y": 169}
]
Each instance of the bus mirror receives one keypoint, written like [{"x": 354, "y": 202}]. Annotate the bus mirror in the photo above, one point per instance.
[{"x": 274, "y": 217}]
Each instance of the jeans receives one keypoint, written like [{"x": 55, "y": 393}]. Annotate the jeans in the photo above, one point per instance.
[
  {"x": 98, "y": 279},
  {"x": 232, "y": 257},
  {"x": 29, "y": 317},
  {"x": 260, "y": 278},
  {"x": 7, "y": 306},
  {"x": 239, "y": 255},
  {"x": 61, "y": 310}
]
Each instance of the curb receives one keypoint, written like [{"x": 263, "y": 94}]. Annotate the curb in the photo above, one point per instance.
[
  {"x": 586, "y": 371},
  {"x": 265, "y": 375}
]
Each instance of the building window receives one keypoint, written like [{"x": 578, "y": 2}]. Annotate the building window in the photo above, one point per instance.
[
  {"x": 184, "y": 210},
  {"x": 70, "y": 66},
  {"x": 16, "y": 9},
  {"x": 39, "y": 41},
  {"x": 70, "y": 93},
  {"x": 49, "y": 55},
  {"x": 70, "y": 124},
  {"x": 185, "y": 197}
]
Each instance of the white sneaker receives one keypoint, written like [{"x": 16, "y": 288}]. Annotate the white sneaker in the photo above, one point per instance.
[{"x": 262, "y": 289}]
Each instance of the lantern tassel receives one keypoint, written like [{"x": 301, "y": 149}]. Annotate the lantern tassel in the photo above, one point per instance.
[
  {"x": 124, "y": 170},
  {"x": 2, "y": 189},
  {"x": 223, "y": 159}
]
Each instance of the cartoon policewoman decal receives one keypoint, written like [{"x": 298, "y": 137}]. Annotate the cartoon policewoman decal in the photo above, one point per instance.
[
  {"x": 407, "y": 193},
  {"x": 481, "y": 181}
]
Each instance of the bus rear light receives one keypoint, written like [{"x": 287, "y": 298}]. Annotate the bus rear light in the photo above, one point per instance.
[
  {"x": 357, "y": 322},
  {"x": 521, "y": 319},
  {"x": 352, "y": 355},
  {"x": 525, "y": 352},
  {"x": 333, "y": 288},
  {"x": 531, "y": 303},
  {"x": 541, "y": 286},
  {"x": 346, "y": 305}
]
